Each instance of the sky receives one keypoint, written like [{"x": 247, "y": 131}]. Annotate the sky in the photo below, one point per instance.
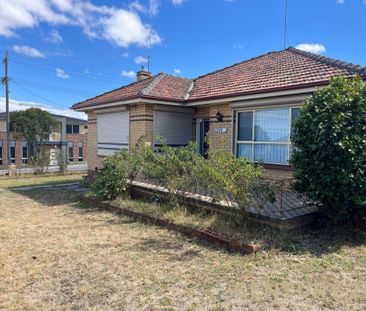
[{"x": 64, "y": 51}]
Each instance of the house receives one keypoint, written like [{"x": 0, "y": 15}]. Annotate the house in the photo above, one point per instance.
[
  {"x": 71, "y": 137},
  {"x": 246, "y": 108}
]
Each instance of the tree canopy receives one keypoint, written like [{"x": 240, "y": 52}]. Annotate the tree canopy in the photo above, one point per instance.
[{"x": 34, "y": 125}]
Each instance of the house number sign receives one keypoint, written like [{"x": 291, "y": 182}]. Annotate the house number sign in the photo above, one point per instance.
[{"x": 221, "y": 130}]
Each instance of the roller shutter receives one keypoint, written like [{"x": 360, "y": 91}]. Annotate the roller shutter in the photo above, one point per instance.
[
  {"x": 174, "y": 127},
  {"x": 113, "y": 132}
]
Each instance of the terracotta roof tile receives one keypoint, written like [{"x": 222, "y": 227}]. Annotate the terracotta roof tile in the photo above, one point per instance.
[{"x": 287, "y": 69}]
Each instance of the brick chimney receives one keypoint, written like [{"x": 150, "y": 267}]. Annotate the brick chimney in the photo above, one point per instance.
[{"x": 142, "y": 74}]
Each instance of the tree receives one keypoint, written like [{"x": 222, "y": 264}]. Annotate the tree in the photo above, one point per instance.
[
  {"x": 35, "y": 126},
  {"x": 329, "y": 154}
]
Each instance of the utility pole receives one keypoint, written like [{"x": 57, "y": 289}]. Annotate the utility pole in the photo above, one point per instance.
[{"x": 6, "y": 81}]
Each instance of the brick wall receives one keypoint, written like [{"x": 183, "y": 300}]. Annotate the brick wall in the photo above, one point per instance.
[
  {"x": 76, "y": 139},
  {"x": 220, "y": 141},
  {"x": 141, "y": 123},
  {"x": 93, "y": 159}
]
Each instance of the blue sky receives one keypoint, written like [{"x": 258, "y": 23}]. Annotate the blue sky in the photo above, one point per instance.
[{"x": 64, "y": 51}]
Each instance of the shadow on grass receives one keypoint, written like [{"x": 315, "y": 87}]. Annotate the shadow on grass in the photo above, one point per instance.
[{"x": 315, "y": 240}]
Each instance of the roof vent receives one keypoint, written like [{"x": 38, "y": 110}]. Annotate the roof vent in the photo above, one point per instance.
[{"x": 142, "y": 74}]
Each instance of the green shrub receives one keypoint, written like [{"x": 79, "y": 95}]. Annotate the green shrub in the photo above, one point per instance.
[
  {"x": 111, "y": 181},
  {"x": 329, "y": 155},
  {"x": 182, "y": 170}
]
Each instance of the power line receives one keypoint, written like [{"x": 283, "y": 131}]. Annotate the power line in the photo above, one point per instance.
[
  {"x": 54, "y": 87},
  {"x": 78, "y": 70},
  {"x": 39, "y": 96},
  {"x": 76, "y": 75}
]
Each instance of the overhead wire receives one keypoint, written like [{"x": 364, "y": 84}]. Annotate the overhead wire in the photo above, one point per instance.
[
  {"x": 81, "y": 72},
  {"x": 39, "y": 96}
]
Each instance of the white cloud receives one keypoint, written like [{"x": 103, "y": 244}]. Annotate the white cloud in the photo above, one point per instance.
[
  {"x": 178, "y": 2},
  {"x": 122, "y": 27},
  {"x": 54, "y": 36},
  {"x": 128, "y": 74},
  {"x": 21, "y": 105},
  {"x": 340, "y": 1},
  {"x": 28, "y": 50},
  {"x": 140, "y": 60},
  {"x": 125, "y": 55},
  {"x": 60, "y": 73},
  {"x": 152, "y": 9},
  {"x": 177, "y": 71},
  {"x": 134, "y": 32},
  {"x": 312, "y": 48}
]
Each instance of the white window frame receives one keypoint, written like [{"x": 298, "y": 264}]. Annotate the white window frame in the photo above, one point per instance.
[
  {"x": 25, "y": 160},
  {"x": 80, "y": 145},
  {"x": 253, "y": 142}
]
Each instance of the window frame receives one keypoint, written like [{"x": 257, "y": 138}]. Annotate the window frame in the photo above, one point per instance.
[
  {"x": 70, "y": 145},
  {"x": 253, "y": 142},
  {"x": 80, "y": 146},
  {"x": 25, "y": 159},
  {"x": 1, "y": 152},
  {"x": 13, "y": 159}
]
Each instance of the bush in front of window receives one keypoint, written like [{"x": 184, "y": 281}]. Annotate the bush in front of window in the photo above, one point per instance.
[
  {"x": 329, "y": 155},
  {"x": 111, "y": 181},
  {"x": 182, "y": 171}
]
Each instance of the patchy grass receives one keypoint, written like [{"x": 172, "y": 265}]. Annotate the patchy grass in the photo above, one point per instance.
[
  {"x": 232, "y": 226},
  {"x": 56, "y": 254},
  {"x": 34, "y": 180}
]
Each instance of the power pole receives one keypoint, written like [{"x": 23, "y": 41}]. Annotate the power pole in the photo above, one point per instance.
[{"x": 6, "y": 81}]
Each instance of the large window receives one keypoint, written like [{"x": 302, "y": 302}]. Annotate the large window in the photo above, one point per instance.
[
  {"x": 72, "y": 129},
  {"x": 80, "y": 151},
  {"x": 24, "y": 152},
  {"x": 1, "y": 152},
  {"x": 70, "y": 148},
  {"x": 263, "y": 135},
  {"x": 12, "y": 151}
]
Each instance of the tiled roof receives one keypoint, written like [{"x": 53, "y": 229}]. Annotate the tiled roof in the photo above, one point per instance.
[
  {"x": 287, "y": 69},
  {"x": 161, "y": 86}
]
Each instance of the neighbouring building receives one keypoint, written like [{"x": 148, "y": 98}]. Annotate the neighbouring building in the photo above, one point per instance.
[
  {"x": 246, "y": 108},
  {"x": 70, "y": 138}
]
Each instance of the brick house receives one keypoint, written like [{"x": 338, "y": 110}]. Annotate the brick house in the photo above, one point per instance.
[
  {"x": 246, "y": 108},
  {"x": 71, "y": 138}
]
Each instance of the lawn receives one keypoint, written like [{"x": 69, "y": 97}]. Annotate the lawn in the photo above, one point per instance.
[
  {"x": 56, "y": 254},
  {"x": 34, "y": 180}
]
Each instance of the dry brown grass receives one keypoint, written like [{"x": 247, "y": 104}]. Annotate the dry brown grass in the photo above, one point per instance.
[
  {"x": 34, "y": 180},
  {"x": 58, "y": 255}
]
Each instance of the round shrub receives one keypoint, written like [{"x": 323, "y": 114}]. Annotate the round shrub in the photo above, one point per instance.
[
  {"x": 111, "y": 181},
  {"x": 329, "y": 154}
]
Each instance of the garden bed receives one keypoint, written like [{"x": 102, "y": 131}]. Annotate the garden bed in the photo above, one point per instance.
[{"x": 210, "y": 227}]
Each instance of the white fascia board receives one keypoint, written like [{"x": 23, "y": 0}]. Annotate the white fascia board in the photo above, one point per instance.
[
  {"x": 254, "y": 96},
  {"x": 130, "y": 102}
]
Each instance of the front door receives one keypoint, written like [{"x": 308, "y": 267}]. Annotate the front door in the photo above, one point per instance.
[{"x": 203, "y": 127}]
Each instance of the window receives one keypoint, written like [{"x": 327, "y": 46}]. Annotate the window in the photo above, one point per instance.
[
  {"x": 75, "y": 129},
  {"x": 80, "y": 151},
  {"x": 70, "y": 148},
  {"x": 1, "y": 152},
  {"x": 12, "y": 152},
  {"x": 68, "y": 129},
  {"x": 263, "y": 135},
  {"x": 24, "y": 152},
  {"x": 72, "y": 129}
]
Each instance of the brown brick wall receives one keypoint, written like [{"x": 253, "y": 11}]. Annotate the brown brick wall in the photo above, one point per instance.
[
  {"x": 93, "y": 159},
  {"x": 79, "y": 138},
  {"x": 141, "y": 123},
  {"x": 220, "y": 141}
]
